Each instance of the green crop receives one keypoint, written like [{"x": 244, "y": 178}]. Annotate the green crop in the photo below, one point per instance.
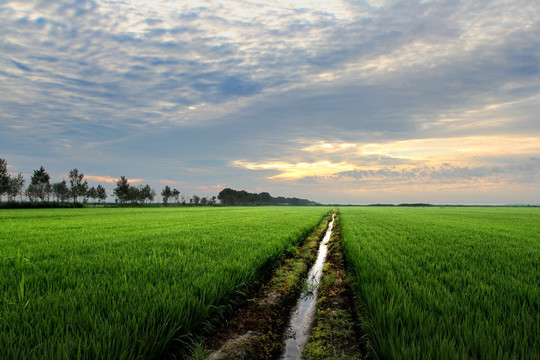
[
  {"x": 447, "y": 283},
  {"x": 130, "y": 283}
]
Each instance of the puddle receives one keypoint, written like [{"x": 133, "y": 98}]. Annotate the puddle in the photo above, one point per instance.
[{"x": 297, "y": 333}]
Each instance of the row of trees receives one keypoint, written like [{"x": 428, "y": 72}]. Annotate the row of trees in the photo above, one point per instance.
[
  {"x": 41, "y": 188},
  {"x": 173, "y": 194},
  {"x": 76, "y": 188},
  {"x": 11, "y": 186},
  {"x": 126, "y": 193}
]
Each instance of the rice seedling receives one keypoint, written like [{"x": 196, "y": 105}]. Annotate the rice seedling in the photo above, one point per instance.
[
  {"x": 447, "y": 283},
  {"x": 131, "y": 283}
]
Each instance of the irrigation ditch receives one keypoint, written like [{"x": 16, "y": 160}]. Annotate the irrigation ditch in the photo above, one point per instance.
[{"x": 304, "y": 311}]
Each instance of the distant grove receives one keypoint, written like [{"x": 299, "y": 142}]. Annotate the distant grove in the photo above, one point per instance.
[
  {"x": 76, "y": 191},
  {"x": 242, "y": 197}
]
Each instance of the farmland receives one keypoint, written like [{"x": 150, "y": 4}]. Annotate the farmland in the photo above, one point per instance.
[
  {"x": 447, "y": 283},
  {"x": 130, "y": 283},
  {"x": 140, "y": 283}
]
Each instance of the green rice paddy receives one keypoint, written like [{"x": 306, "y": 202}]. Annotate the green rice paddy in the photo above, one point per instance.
[
  {"x": 141, "y": 283},
  {"x": 447, "y": 283},
  {"x": 130, "y": 283}
]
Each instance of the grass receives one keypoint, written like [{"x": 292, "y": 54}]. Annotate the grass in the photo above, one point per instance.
[
  {"x": 447, "y": 283},
  {"x": 131, "y": 283}
]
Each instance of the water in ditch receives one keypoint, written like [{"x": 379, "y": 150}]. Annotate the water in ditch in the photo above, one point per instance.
[{"x": 297, "y": 333}]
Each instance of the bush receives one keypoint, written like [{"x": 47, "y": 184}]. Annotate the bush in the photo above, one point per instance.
[{"x": 39, "y": 205}]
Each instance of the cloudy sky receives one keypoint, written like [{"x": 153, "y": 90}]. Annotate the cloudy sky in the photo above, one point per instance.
[{"x": 337, "y": 101}]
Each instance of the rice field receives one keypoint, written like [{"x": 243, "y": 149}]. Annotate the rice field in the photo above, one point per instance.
[
  {"x": 447, "y": 283},
  {"x": 131, "y": 283},
  {"x": 140, "y": 283}
]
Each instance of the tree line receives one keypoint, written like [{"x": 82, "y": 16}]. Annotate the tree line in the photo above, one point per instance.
[
  {"x": 41, "y": 189},
  {"x": 76, "y": 190},
  {"x": 230, "y": 196}
]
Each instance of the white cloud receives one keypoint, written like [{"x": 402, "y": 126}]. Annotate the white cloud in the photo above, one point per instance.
[{"x": 383, "y": 85}]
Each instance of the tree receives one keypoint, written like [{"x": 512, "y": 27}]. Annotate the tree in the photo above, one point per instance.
[
  {"x": 196, "y": 199},
  {"x": 122, "y": 189},
  {"x": 265, "y": 198},
  {"x": 78, "y": 187},
  {"x": 39, "y": 185},
  {"x": 233, "y": 197},
  {"x": 133, "y": 194},
  {"x": 166, "y": 194},
  {"x": 16, "y": 186},
  {"x": 147, "y": 193},
  {"x": 176, "y": 195},
  {"x": 48, "y": 191},
  {"x": 31, "y": 193},
  {"x": 227, "y": 196},
  {"x": 4, "y": 178},
  {"x": 92, "y": 193},
  {"x": 61, "y": 191},
  {"x": 101, "y": 193}
]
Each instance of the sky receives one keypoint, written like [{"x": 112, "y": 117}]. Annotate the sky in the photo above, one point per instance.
[{"x": 351, "y": 102}]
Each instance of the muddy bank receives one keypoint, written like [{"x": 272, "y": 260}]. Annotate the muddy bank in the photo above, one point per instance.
[
  {"x": 336, "y": 332},
  {"x": 299, "y": 328},
  {"x": 255, "y": 331}
]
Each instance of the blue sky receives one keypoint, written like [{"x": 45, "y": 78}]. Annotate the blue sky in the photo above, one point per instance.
[{"x": 335, "y": 101}]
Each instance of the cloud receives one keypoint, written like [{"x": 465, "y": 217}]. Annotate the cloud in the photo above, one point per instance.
[
  {"x": 225, "y": 51},
  {"x": 403, "y": 83},
  {"x": 444, "y": 174},
  {"x": 465, "y": 162},
  {"x": 297, "y": 170},
  {"x": 383, "y": 176},
  {"x": 168, "y": 182},
  {"x": 210, "y": 189},
  {"x": 106, "y": 179},
  {"x": 21, "y": 66}
]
